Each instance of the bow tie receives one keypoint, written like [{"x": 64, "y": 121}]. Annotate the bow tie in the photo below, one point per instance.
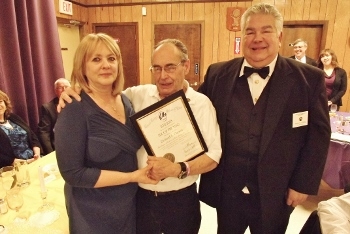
[{"x": 263, "y": 72}]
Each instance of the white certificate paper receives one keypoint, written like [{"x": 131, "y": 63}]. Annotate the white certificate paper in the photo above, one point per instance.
[{"x": 170, "y": 127}]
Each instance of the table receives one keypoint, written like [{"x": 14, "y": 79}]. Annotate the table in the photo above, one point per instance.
[
  {"x": 338, "y": 154},
  {"x": 32, "y": 200}
]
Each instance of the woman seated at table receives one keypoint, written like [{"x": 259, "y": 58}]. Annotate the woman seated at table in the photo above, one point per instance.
[
  {"x": 96, "y": 144},
  {"x": 335, "y": 77},
  {"x": 17, "y": 140}
]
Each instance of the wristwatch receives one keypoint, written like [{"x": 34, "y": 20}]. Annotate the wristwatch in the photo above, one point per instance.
[{"x": 183, "y": 173}]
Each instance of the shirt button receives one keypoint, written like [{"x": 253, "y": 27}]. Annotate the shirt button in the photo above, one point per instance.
[
  {"x": 256, "y": 82},
  {"x": 255, "y": 100}
]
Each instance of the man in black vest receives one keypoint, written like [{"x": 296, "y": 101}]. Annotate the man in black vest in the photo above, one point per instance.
[{"x": 274, "y": 123}]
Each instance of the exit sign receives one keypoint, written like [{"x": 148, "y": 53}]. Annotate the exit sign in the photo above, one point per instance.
[{"x": 65, "y": 7}]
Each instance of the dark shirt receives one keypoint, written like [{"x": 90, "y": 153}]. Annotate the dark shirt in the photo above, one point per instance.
[
  {"x": 7, "y": 154},
  {"x": 19, "y": 140},
  {"x": 329, "y": 83}
]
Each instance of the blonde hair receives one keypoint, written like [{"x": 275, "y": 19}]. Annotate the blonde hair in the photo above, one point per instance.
[
  {"x": 6, "y": 99},
  {"x": 85, "y": 49}
]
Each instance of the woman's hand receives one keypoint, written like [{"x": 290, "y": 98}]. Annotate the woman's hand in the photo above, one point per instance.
[
  {"x": 36, "y": 151},
  {"x": 142, "y": 176},
  {"x": 330, "y": 103}
]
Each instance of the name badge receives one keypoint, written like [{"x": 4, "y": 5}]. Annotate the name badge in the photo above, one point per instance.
[{"x": 300, "y": 119}]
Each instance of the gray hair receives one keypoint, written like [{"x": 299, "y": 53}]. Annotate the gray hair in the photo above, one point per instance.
[
  {"x": 178, "y": 44},
  {"x": 300, "y": 40},
  {"x": 263, "y": 8},
  {"x": 62, "y": 80}
]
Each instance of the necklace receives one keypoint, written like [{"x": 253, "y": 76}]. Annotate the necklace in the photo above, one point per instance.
[
  {"x": 3, "y": 122},
  {"x": 114, "y": 108}
]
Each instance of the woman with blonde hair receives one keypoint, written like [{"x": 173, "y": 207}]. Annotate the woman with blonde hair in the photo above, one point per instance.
[
  {"x": 335, "y": 77},
  {"x": 96, "y": 144}
]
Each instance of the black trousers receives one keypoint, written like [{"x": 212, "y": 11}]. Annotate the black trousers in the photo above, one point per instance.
[
  {"x": 236, "y": 213},
  {"x": 170, "y": 213}
]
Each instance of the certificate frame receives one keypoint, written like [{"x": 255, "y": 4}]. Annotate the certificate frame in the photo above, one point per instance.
[{"x": 169, "y": 126}]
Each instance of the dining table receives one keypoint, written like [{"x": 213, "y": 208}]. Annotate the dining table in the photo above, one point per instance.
[
  {"x": 338, "y": 151},
  {"x": 31, "y": 218}
]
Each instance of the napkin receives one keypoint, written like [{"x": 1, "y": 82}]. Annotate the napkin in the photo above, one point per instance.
[
  {"x": 340, "y": 137},
  {"x": 41, "y": 219}
]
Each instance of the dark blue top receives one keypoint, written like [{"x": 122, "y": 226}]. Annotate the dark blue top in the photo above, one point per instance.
[
  {"x": 88, "y": 140},
  {"x": 19, "y": 141},
  {"x": 7, "y": 154}
]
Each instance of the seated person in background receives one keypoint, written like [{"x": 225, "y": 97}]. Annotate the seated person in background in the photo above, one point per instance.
[
  {"x": 335, "y": 77},
  {"x": 48, "y": 117},
  {"x": 334, "y": 214},
  {"x": 300, "y": 47},
  {"x": 17, "y": 140}
]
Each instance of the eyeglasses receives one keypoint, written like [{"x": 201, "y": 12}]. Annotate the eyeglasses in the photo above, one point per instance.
[{"x": 170, "y": 68}]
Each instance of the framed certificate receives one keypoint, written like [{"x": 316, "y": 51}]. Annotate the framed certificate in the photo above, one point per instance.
[{"x": 169, "y": 126}]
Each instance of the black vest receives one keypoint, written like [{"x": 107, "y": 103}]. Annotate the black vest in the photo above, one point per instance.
[{"x": 243, "y": 134}]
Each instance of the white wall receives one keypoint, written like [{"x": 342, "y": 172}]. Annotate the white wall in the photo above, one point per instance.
[{"x": 69, "y": 38}]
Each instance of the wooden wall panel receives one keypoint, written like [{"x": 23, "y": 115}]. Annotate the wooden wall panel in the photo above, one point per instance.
[
  {"x": 198, "y": 7},
  {"x": 188, "y": 12},
  {"x": 174, "y": 12},
  {"x": 145, "y": 47},
  {"x": 314, "y": 13},
  {"x": 322, "y": 6},
  {"x": 218, "y": 42},
  {"x": 208, "y": 39}
]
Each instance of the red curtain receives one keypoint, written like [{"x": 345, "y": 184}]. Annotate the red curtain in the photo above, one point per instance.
[{"x": 30, "y": 55}]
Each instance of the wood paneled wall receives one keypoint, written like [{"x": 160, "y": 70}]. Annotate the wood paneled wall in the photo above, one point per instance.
[{"x": 218, "y": 42}]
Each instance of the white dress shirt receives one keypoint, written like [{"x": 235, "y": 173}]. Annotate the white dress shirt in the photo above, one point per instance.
[
  {"x": 255, "y": 82},
  {"x": 143, "y": 96},
  {"x": 302, "y": 60},
  {"x": 334, "y": 215}
]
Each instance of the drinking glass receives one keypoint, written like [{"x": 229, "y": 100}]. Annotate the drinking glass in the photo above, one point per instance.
[
  {"x": 22, "y": 173},
  {"x": 14, "y": 199},
  {"x": 46, "y": 206},
  {"x": 8, "y": 176},
  {"x": 333, "y": 108}
]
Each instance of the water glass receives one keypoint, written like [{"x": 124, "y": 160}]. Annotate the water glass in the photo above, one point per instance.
[
  {"x": 21, "y": 168},
  {"x": 8, "y": 177},
  {"x": 333, "y": 108},
  {"x": 14, "y": 199}
]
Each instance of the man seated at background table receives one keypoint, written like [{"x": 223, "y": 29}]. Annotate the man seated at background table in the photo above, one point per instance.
[
  {"x": 48, "y": 117},
  {"x": 172, "y": 206}
]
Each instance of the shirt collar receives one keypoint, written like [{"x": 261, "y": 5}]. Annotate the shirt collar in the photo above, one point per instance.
[{"x": 303, "y": 59}]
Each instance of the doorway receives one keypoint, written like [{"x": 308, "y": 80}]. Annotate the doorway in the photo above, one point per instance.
[
  {"x": 69, "y": 41},
  {"x": 191, "y": 35},
  {"x": 126, "y": 35}
]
